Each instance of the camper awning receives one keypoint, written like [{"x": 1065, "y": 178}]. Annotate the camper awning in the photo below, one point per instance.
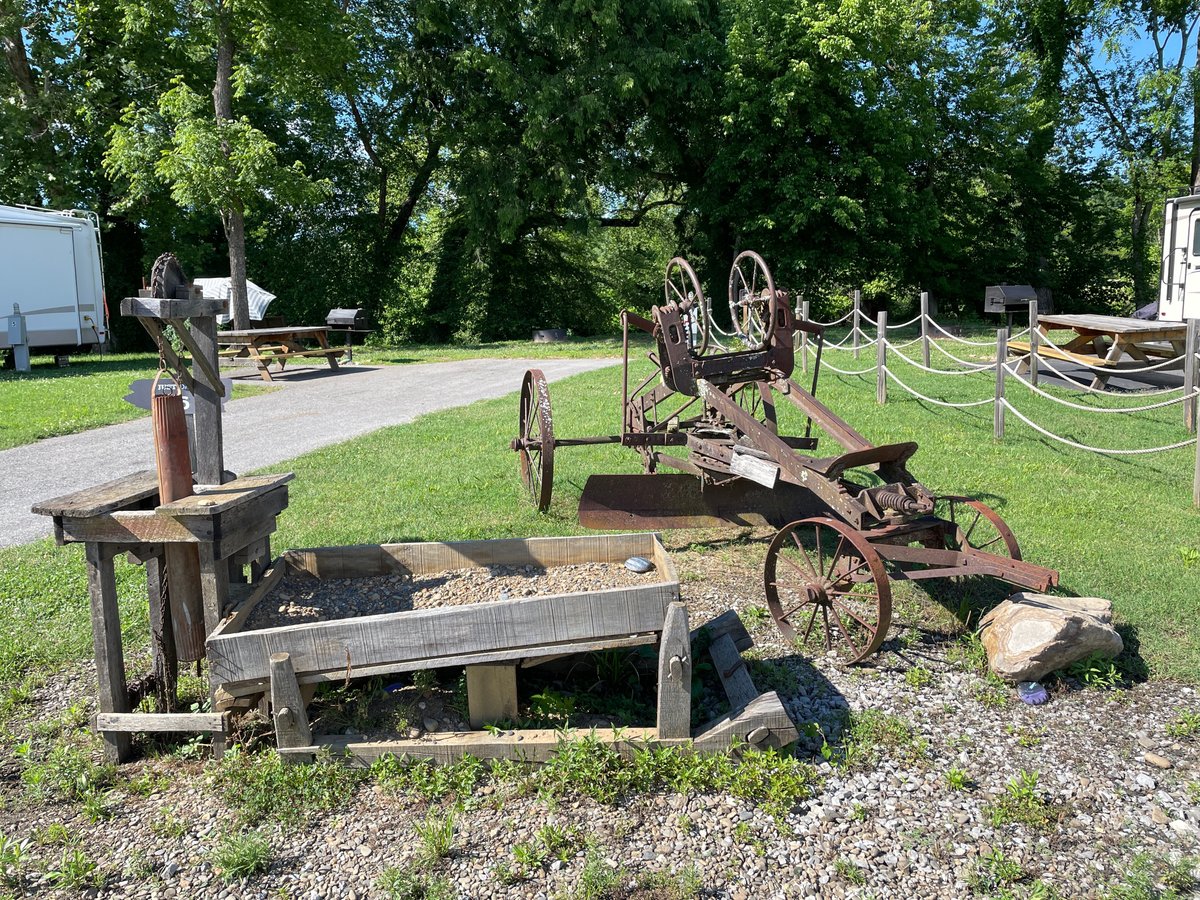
[{"x": 220, "y": 289}]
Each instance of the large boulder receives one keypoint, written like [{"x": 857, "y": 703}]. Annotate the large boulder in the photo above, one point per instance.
[{"x": 1030, "y": 635}]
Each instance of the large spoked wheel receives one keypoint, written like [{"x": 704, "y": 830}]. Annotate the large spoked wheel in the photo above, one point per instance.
[
  {"x": 682, "y": 287},
  {"x": 536, "y": 442},
  {"x": 825, "y": 582},
  {"x": 970, "y": 523},
  {"x": 755, "y": 398},
  {"x": 752, "y": 298}
]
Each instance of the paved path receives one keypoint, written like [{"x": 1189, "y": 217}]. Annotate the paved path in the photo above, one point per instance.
[{"x": 313, "y": 408}]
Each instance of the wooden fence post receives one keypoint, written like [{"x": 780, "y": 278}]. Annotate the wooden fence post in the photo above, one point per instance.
[
  {"x": 856, "y": 321},
  {"x": 1001, "y": 359},
  {"x": 804, "y": 309},
  {"x": 925, "y": 327},
  {"x": 1189, "y": 376},
  {"x": 1033, "y": 342},
  {"x": 1196, "y": 478},
  {"x": 881, "y": 359}
]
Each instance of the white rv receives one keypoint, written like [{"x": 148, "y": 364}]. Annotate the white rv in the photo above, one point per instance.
[{"x": 50, "y": 268}]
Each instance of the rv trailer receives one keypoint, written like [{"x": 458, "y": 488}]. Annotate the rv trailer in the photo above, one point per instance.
[{"x": 50, "y": 267}]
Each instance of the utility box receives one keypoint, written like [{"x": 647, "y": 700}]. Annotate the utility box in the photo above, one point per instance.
[{"x": 18, "y": 339}]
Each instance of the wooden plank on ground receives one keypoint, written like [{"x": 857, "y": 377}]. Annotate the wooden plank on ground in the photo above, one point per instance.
[
  {"x": 764, "y": 722},
  {"x": 148, "y": 722},
  {"x": 732, "y": 671},
  {"x": 675, "y": 675},
  {"x": 287, "y": 706},
  {"x": 728, "y": 623}
]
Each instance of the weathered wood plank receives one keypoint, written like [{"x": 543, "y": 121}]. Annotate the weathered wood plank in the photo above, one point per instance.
[
  {"x": 726, "y": 623},
  {"x": 674, "y": 675},
  {"x": 291, "y": 720},
  {"x": 764, "y": 718},
  {"x": 103, "y": 498},
  {"x": 732, "y": 671},
  {"x": 214, "y": 586},
  {"x": 148, "y": 722},
  {"x": 431, "y": 634},
  {"x": 241, "y": 612},
  {"x": 133, "y": 527},
  {"x": 171, "y": 308},
  {"x": 106, "y": 645},
  {"x": 211, "y": 499},
  {"x": 491, "y": 694}
]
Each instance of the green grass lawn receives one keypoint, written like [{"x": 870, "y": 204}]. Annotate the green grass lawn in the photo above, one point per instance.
[
  {"x": 90, "y": 392},
  {"x": 1121, "y": 528}
]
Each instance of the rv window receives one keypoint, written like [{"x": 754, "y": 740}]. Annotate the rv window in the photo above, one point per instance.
[{"x": 1196, "y": 238}]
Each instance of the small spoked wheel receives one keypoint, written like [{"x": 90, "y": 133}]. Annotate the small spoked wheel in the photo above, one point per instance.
[
  {"x": 825, "y": 582},
  {"x": 971, "y": 523},
  {"x": 535, "y": 445},
  {"x": 682, "y": 287},
  {"x": 752, "y": 298}
]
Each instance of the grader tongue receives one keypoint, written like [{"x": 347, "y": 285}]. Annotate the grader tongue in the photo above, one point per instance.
[{"x": 849, "y": 523}]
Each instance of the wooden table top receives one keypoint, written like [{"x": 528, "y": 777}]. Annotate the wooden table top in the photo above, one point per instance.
[
  {"x": 1115, "y": 325},
  {"x": 226, "y": 336}
]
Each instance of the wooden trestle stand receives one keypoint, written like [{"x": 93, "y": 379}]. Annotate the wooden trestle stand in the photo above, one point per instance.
[{"x": 229, "y": 520}]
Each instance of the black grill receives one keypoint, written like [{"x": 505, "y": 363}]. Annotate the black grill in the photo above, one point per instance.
[
  {"x": 1008, "y": 298},
  {"x": 349, "y": 319}
]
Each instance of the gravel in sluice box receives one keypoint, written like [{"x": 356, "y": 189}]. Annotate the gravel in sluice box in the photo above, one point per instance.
[{"x": 301, "y": 598}]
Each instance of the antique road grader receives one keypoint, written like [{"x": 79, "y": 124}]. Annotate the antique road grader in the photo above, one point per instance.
[{"x": 848, "y": 524}]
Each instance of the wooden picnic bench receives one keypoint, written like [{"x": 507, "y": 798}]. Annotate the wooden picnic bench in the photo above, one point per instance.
[
  {"x": 270, "y": 345},
  {"x": 1103, "y": 343}
]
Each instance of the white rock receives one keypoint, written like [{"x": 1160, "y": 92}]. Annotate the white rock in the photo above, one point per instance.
[{"x": 1030, "y": 635}]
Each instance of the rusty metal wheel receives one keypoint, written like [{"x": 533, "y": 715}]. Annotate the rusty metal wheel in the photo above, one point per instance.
[
  {"x": 971, "y": 523},
  {"x": 682, "y": 287},
  {"x": 756, "y": 399},
  {"x": 535, "y": 445},
  {"x": 752, "y": 298},
  {"x": 824, "y": 580}
]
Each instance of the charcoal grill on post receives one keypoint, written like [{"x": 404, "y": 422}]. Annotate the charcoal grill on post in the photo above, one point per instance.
[
  {"x": 851, "y": 523},
  {"x": 351, "y": 321},
  {"x": 1009, "y": 299}
]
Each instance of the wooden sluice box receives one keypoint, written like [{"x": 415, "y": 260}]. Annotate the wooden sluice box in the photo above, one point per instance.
[{"x": 493, "y": 639}]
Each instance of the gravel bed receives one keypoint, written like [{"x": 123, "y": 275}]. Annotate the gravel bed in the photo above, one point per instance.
[
  {"x": 302, "y": 598},
  {"x": 894, "y": 827}
]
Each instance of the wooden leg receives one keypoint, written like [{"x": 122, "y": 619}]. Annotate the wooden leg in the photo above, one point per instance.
[
  {"x": 1113, "y": 355},
  {"x": 214, "y": 586},
  {"x": 323, "y": 341},
  {"x": 162, "y": 638},
  {"x": 491, "y": 694},
  {"x": 287, "y": 706},
  {"x": 260, "y": 361},
  {"x": 106, "y": 643},
  {"x": 675, "y": 675}
]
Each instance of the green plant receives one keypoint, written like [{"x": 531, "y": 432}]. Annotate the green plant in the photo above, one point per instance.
[
  {"x": 425, "y": 681},
  {"x": 968, "y": 653},
  {"x": 67, "y": 772},
  {"x": 13, "y": 857},
  {"x": 97, "y": 805},
  {"x": 169, "y": 825},
  {"x": 427, "y": 780},
  {"x": 436, "y": 834},
  {"x": 261, "y": 786},
  {"x": 994, "y": 692},
  {"x": 917, "y": 677},
  {"x": 681, "y": 885},
  {"x": 56, "y": 833},
  {"x": 849, "y": 871},
  {"x": 75, "y": 871},
  {"x": 1189, "y": 556},
  {"x": 1026, "y": 737},
  {"x": 238, "y": 856},
  {"x": 1193, "y": 791},
  {"x": 1152, "y": 879},
  {"x": 1096, "y": 671},
  {"x": 995, "y": 871},
  {"x": 1180, "y": 876},
  {"x": 958, "y": 780},
  {"x": 753, "y": 616},
  {"x": 597, "y": 879},
  {"x": 402, "y": 884},
  {"x": 859, "y": 813},
  {"x": 870, "y": 735},
  {"x": 1185, "y": 725},
  {"x": 1022, "y": 804}
]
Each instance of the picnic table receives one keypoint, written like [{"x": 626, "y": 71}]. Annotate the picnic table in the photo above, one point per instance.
[
  {"x": 269, "y": 345},
  {"x": 1103, "y": 343}
]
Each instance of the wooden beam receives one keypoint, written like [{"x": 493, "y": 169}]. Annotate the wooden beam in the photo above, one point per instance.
[
  {"x": 106, "y": 644},
  {"x": 103, "y": 498},
  {"x": 491, "y": 694},
  {"x": 732, "y": 671},
  {"x": 157, "y": 722},
  {"x": 291, "y": 720},
  {"x": 675, "y": 675}
]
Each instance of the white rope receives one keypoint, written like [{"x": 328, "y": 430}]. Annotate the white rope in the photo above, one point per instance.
[
  {"x": 835, "y": 321},
  {"x": 924, "y": 368},
  {"x": 1108, "y": 370},
  {"x": 960, "y": 360},
  {"x": 905, "y": 324},
  {"x": 1021, "y": 333},
  {"x": 1104, "y": 450},
  {"x": 892, "y": 375},
  {"x": 828, "y": 365},
  {"x": 955, "y": 337},
  {"x": 915, "y": 340},
  {"x": 1099, "y": 409},
  {"x": 1044, "y": 363}
]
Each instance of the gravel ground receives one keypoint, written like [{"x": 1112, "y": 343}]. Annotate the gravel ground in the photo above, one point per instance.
[
  {"x": 300, "y": 598},
  {"x": 1118, "y": 776}
]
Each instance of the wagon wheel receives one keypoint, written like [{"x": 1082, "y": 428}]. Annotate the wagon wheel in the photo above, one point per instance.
[
  {"x": 752, "y": 298},
  {"x": 824, "y": 578},
  {"x": 536, "y": 440},
  {"x": 756, "y": 399},
  {"x": 682, "y": 287},
  {"x": 976, "y": 525}
]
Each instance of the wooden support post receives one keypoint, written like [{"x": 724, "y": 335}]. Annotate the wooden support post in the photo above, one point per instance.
[
  {"x": 1001, "y": 360},
  {"x": 804, "y": 312},
  {"x": 287, "y": 706},
  {"x": 881, "y": 359},
  {"x": 491, "y": 694},
  {"x": 214, "y": 585},
  {"x": 735, "y": 677},
  {"x": 210, "y": 442},
  {"x": 925, "y": 327},
  {"x": 1034, "y": 340},
  {"x": 856, "y": 321},
  {"x": 106, "y": 643},
  {"x": 1189, "y": 376},
  {"x": 675, "y": 675},
  {"x": 162, "y": 638},
  {"x": 1196, "y": 478}
]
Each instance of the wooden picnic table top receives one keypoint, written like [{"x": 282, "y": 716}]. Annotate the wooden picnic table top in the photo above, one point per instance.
[
  {"x": 1116, "y": 325},
  {"x": 285, "y": 331}
]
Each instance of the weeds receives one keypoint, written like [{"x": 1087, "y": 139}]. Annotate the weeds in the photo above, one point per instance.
[
  {"x": 968, "y": 653},
  {"x": 75, "y": 871},
  {"x": 427, "y": 780},
  {"x": 1150, "y": 879},
  {"x": 994, "y": 871},
  {"x": 753, "y": 616},
  {"x": 917, "y": 677},
  {"x": 66, "y": 773},
  {"x": 849, "y": 871},
  {"x": 13, "y": 858},
  {"x": 262, "y": 786},
  {"x": 436, "y": 834},
  {"x": 1021, "y": 804},
  {"x": 1096, "y": 671},
  {"x": 597, "y": 880},
  {"x": 958, "y": 780},
  {"x": 870, "y": 735},
  {"x": 1186, "y": 725},
  {"x": 402, "y": 884},
  {"x": 682, "y": 885},
  {"x": 238, "y": 856}
]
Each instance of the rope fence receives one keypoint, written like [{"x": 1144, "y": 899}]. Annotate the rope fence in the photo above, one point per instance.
[{"x": 1025, "y": 372}]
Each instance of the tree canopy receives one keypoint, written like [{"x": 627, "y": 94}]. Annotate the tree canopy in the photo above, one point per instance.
[{"x": 472, "y": 169}]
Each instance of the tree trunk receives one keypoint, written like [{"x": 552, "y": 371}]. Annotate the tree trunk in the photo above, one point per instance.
[
  {"x": 232, "y": 218},
  {"x": 1142, "y": 290},
  {"x": 1195, "y": 76}
]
